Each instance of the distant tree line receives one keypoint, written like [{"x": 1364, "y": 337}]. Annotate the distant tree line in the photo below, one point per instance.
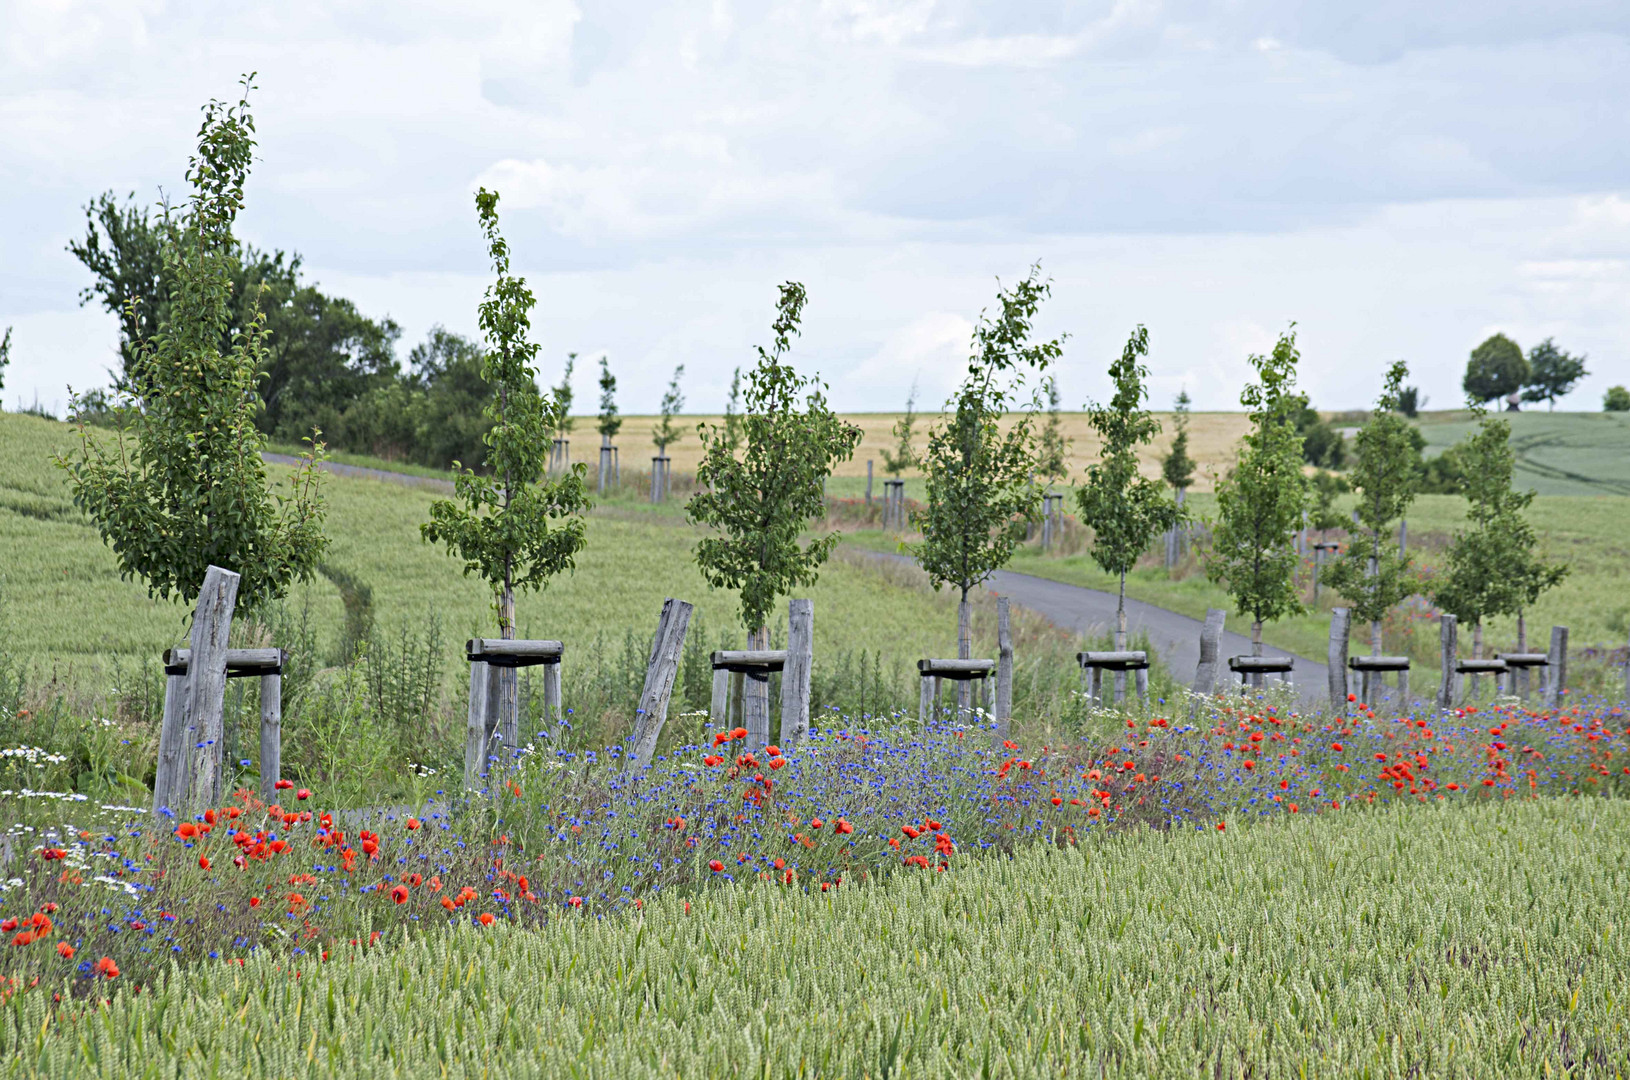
[{"x": 324, "y": 365}]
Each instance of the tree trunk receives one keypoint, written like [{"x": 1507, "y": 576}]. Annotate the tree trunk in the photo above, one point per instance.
[
  {"x": 1256, "y": 650},
  {"x": 964, "y": 651},
  {"x": 1477, "y": 653},
  {"x": 755, "y": 697},
  {"x": 1520, "y": 676},
  {"x": 1120, "y": 639},
  {"x": 508, "y": 679}
]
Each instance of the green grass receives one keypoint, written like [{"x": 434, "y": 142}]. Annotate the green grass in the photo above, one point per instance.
[
  {"x": 1428, "y": 941},
  {"x": 1557, "y": 453}
]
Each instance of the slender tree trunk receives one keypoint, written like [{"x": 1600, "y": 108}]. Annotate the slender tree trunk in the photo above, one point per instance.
[
  {"x": 508, "y": 727},
  {"x": 964, "y": 651},
  {"x": 1120, "y": 638},
  {"x": 1477, "y": 652},
  {"x": 1520, "y": 677},
  {"x": 1256, "y": 649}
]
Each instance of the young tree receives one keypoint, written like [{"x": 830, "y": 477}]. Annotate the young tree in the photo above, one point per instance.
[
  {"x": 1552, "y": 373},
  {"x": 499, "y": 523},
  {"x": 563, "y": 399},
  {"x": 761, "y": 503},
  {"x": 183, "y": 485},
  {"x": 609, "y": 422},
  {"x": 903, "y": 456},
  {"x": 1052, "y": 458},
  {"x": 1124, "y": 510},
  {"x": 1177, "y": 468},
  {"x": 1617, "y": 399},
  {"x": 980, "y": 495},
  {"x": 1496, "y": 369},
  {"x": 1373, "y": 574},
  {"x": 5, "y": 356},
  {"x": 1261, "y": 500},
  {"x": 1491, "y": 568},
  {"x": 667, "y": 431},
  {"x": 732, "y": 414}
]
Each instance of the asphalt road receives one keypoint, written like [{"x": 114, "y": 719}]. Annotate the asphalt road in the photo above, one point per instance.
[{"x": 1176, "y": 638}]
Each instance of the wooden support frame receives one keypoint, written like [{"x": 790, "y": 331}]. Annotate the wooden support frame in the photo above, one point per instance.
[
  {"x": 1249, "y": 667},
  {"x": 1095, "y": 663},
  {"x": 486, "y": 733},
  {"x": 933, "y": 673},
  {"x": 1376, "y": 667},
  {"x": 264, "y": 664}
]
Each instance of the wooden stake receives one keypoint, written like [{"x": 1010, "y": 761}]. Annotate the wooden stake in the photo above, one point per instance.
[
  {"x": 795, "y": 677},
  {"x": 1448, "y": 637},
  {"x": 206, "y": 686},
  {"x": 271, "y": 735},
  {"x": 660, "y": 674},
  {"x": 1557, "y": 663},
  {"x": 1336, "y": 663},
  {"x": 1004, "y": 668}
]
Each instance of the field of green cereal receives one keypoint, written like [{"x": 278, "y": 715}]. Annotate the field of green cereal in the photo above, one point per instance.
[{"x": 1417, "y": 941}]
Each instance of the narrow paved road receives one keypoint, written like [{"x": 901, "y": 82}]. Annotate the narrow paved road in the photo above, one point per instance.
[{"x": 1176, "y": 638}]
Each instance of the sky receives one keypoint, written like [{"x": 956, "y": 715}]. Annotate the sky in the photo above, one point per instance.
[{"x": 1399, "y": 179}]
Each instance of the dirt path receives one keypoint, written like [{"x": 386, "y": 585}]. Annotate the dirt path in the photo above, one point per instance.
[{"x": 1176, "y": 638}]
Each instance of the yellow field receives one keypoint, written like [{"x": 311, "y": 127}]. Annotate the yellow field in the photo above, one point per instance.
[{"x": 1212, "y": 441}]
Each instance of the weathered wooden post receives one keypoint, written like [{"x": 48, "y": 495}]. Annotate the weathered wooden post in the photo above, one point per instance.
[
  {"x": 1046, "y": 521},
  {"x": 491, "y": 732},
  {"x": 1119, "y": 661},
  {"x": 1448, "y": 642},
  {"x": 267, "y": 665},
  {"x": 925, "y": 699},
  {"x": 1205, "y": 673},
  {"x": 206, "y": 686},
  {"x": 960, "y": 671},
  {"x": 660, "y": 674},
  {"x": 1004, "y": 669},
  {"x": 1558, "y": 664},
  {"x": 1336, "y": 661},
  {"x": 719, "y": 708},
  {"x": 750, "y": 671},
  {"x": 868, "y": 483},
  {"x": 795, "y": 676},
  {"x": 605, "y": 461},
  {"x": 659, "y": 478}
]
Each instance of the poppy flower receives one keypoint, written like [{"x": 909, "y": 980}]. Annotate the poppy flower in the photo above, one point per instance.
[
  {"x": 447, "y": 902},
  {"x": 1222, "y": 826},
  {"x": 254, "y": 901},
  {"x": 203, "y": 862},
  {"x": 576, "y": 901},
  {"x": 776, "y": 763},
  {"x": 303, "y": 794},
  {"x": 816, "y": 823},
  {"x": 186, "y": 830},
  {"x": 715, "y": 865},
  {"x": 844, "y": 827},
  {"x": 106, "y": 968},
  {"x": 400, "y": 894},
  {"x": 485, "y": 918},
  {"x": 65, "y": 950},
  {"x": 773, "y": 751},
  {"x": 1337, "y": 747},
  {"x": 412, "y": 823},
  {"x": 415, "y": 879},
  {"x": 283, "y": 785},
  {"x": 739, "y": 733},
  {"x": 910, "y": 831}
]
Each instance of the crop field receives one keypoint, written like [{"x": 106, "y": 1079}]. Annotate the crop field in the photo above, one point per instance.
[
  {"x": 1557, "y": 453},
  {"x": 1417, "y": 941}
]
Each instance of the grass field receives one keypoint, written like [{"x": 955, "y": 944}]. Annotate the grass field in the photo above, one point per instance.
[
  {"x": 1426, "y": 941},
  {"x": 1557, "y": 453}
]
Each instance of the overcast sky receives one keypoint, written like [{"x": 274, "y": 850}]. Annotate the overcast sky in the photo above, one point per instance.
[{"x": 1399, "y": 177}]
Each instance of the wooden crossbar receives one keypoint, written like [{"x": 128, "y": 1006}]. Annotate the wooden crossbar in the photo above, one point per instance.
[
  {"x": 1130, "y": 660},
  {"x": 955, "y": 670},
  {"x": 751, "y": 661},
  {"x": 499, "y": 653},
  {"x": 240, "y": 663}
]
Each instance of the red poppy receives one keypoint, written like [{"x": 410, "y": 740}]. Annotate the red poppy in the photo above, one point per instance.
[
  {"x": 400, "y": 894},
  {"x": 715, "y": 865},
  {"x": 65, "y": 950},
  {"x": 739, "y": 733},
  {"x": 106, "y": 968},
  {"x": 776, "y": 763},
  {"x": 577, "y": 901},
  {"x": 910, "y": 831},
  {"x": 816, "y": 823},
  {"x": 485, "y": 918},
  {"x": 283, "y": 785},
  {"x": 773, "y": 751},
  {"x": 254, "y": 901},
  {"x": 203, "y": 862},
  {"x": 1221, "y": 826},
  {"x": 303, "y": 793},
  {"x": 844, "y": 827},
  {"x": 1337, "y": 747},
  {"x": 447, "y": 902},
  {"x": 186, "y": 830},
  {"x": 412, "y": 823}
]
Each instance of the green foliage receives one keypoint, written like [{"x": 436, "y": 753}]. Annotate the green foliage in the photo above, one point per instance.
[
  {"x": 762, "y": 502},
  {"x": 610, "y": 423},
  {"x": 1493, "y": 567},
  {"x": 980, "y": 494},
  {"x": 320, "y": 355},
  {"x": 731, "y": 435},
  {"x": 563, "y": 400},
  {"x": 1322, "y": 445},
  {"x": 667, "y": 432},
  {"x": 502, "y": 530},
  {"x": 1177, "y": 468},
  {"x": 1552, "y": 373},
  {"x": 1261, "y": 500},
  {"x": 1123, "y": 509},
  {"x": 1411, "y": 401},
  {"x": 1617, "y": 399},
  {"x": 184, "y": 485},
  {"x": 1496, "y": 370},
  {"x": 1322, "y": 512},
  {"x": 5, "y": 356},
  {"x": 903, "y": 456},
  {"x": 1052, "y": 462},
  {"x": 1372, "y": 574}
]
